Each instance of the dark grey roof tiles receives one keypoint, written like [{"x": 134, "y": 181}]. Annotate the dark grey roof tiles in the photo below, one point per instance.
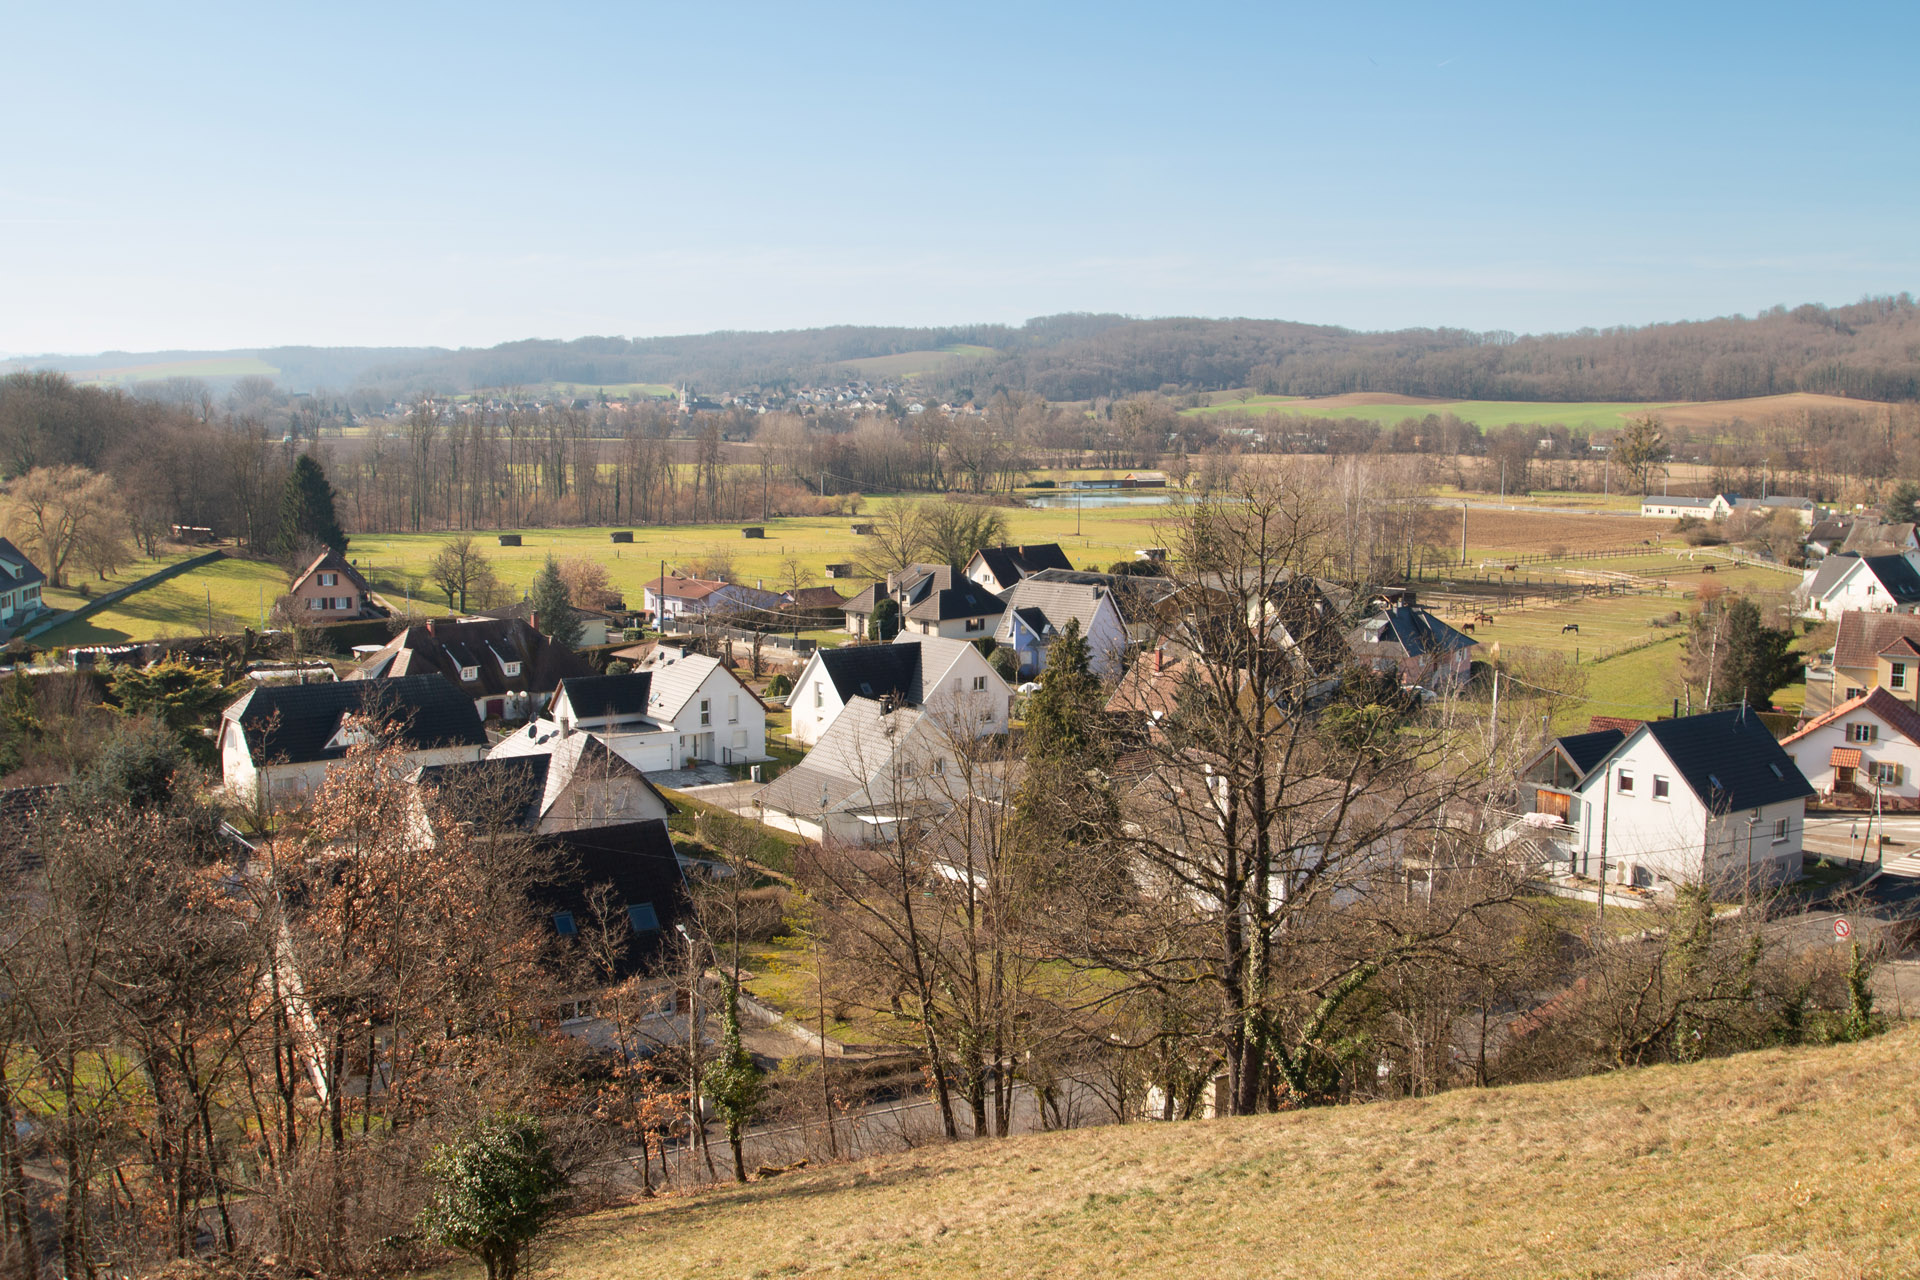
[{"x": 294, "y": 723}]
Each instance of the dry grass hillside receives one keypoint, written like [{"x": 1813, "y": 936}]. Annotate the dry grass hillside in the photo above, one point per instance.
[{"x": 1790, "y": 1163}]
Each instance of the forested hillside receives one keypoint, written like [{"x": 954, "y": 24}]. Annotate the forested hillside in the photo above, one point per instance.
[{"x": 1868, "y": 350}]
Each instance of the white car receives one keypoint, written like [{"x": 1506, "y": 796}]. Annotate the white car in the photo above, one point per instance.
[{"x": 1031, "y": 686}]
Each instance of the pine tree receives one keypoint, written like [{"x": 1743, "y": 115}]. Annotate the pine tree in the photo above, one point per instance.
[
  {"x": 553, "y": 606},
  {"x": 1904, "y": 506},
  {"x": 306, "y": 509},
  {"x": 1756, "y": 660}
]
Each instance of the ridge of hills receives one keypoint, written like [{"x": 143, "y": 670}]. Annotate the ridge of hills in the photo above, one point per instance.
[
  {"x": 1867, "y": 350},
  {"x": 1780, "y": 1163}
]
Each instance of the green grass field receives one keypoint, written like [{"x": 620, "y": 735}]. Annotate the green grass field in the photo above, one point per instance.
[
  {"x": 1783, "y": 1164},
  {"x": 1591, "y": 416},
  {"x": 401, "y": 559},
  {"x": 239, "y": 592}
]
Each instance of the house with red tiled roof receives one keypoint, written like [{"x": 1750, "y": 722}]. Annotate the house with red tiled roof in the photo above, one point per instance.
[
  {"x": 672, "y": 600},
  {"x": 1867, "y": 743}
]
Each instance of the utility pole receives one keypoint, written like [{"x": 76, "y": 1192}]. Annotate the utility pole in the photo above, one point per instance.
[
  {"x": 1606, "y": 811},
  {"x": 1463, "y": 534}
]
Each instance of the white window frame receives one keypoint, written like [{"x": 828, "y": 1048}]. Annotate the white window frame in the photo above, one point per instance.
[
  {"x": 706, "y": 711},
  {"x": 1623, "y": 781},
  {"x": 1896, "y": 675},
  {"x": 1862, "y": 731},
  {"x": 511, "y": 668},
  {"x": 469, "y": 673},
  {"x": 1662, "y": 789},
  {"x": 1781, "y": 829},
  {"x": 979, "y": 684}
]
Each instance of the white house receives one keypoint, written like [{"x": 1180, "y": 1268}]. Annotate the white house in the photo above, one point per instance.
[
  {"x": 999, "y": 568},
  {"x": 615, "y": 708},
  {"x": 1867, "y": 744},
  {"x": 1662, "y": 507},
  {"x": 934, "y": 600},
  {"x": 1114, "y": 612},
  {"x": 713, "y": 716},
  {"x": 879, "y": 764},
  {"x": 552, "y": 782},
  {"x": 20, "y": 582},
  {"x": 277, "y": 741},
  {"x": 676, "y": 600},
  {"x": 1700, "y": 799},
  {"x": 913, "y": 671},
  {"x": 1870, "y": 584}
]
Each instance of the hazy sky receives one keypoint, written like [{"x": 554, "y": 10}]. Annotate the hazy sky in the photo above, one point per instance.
[{"x": 195, "y": 176}]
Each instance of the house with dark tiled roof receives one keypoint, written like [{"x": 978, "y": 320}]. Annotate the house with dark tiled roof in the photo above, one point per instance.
[
  {"x": 999, "y": 568},
  {"x": 1407, "y": 640},
  {"x": 581, "y": 780},
  {"x": 20, "y": 583},
  {"x": 1868, "y": 744},
  {"x": 934, "y": 600},
  {"x": 509, "y": 669},
  {"x": 949, "y": 676},
  {"x": 673, "y": 600},
  {"x": 1700, "y": 799},
  {"x": 277, "y": 741},
  {"x": 1849, "y": 581},
  {"x": 1115, "y": 612}
]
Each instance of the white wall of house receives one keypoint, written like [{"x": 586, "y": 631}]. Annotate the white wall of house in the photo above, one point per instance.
[
  {"x": 965, "y": 691},
  {"x": 284, "y": 786},
  {"x": 1651, "y": 838},
  {"x": 1886, "y": 754},
  {"x": 1857, "y": 589},
  {"x": 1107, "y": 643},
  {"x": 814, "y": 701},
  {"x": 953, "y": 628},
  {"x": 601, "y": 801},
  {"x": 721, "y": 722}
]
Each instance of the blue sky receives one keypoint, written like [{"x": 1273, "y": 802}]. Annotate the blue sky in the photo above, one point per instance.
[{"x": 199, "y": 176}]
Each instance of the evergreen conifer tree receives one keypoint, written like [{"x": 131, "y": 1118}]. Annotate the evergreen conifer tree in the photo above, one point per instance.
[
  {"x": 307, "y": 511},
  {"x": 553, "y": 606}
]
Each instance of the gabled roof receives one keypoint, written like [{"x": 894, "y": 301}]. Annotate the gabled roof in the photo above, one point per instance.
[
  {"x": 1585, "y": 750},
  {"x": 1897, "y": 575},
  {"x": 1872, "y": 537},
  {"x": 875, "y": 670},
  {"x": 333, "y": 562},
  {"x": 569, "y": 755},
  {"x": 677, "y": 679},
  {"x": 482, "y": 644},
  {"x": 1876, "y": 702},
  {"x": 964, "y": 599},
  {"x": 1728, "y": 759},
  {"x": 512, "y": 788},
  {"x": 1407, "y": 631},
  {"x": 637, "y": 862},
  {"x": 1862, "y": 636},
  {"x": 683, "y": 588},
  {"x": 1828, "y": 574},
  {"x": 1010, "y": 564},
  {"x": 27, "y": 574},
  {"x": 295, "y": 723},
  {"x": 852, "y": 764},
  {"x": 817, "y": 598},
  {"x": 1904, "y": 647},
  {"x": 592, "y": 697}
]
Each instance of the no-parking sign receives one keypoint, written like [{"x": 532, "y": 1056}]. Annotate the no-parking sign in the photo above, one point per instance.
[{"x": 1841, "y": 929}]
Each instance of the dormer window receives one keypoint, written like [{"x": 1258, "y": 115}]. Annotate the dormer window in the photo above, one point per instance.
[
  {"x": 1897, "y": 675},
  {"x": 511, "y": 668},
  {"x": 469, "y": 673}
]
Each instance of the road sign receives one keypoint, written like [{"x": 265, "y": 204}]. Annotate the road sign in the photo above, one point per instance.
[{"x": 1842, "y": 930}]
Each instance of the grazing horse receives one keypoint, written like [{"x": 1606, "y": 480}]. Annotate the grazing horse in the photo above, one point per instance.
[
  {"x": 1710, "y": 568},
  {"x": 1571, "y": 626},
  {"x": 1513, "y": 568},
  {"x": 1467, "y": 627}
]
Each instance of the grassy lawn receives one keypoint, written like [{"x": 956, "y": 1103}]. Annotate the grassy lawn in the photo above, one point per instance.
[
  {"x": 1594, "y": 415},
  {"x": 1780, "y": 1163},
  {"x": 398, "y": 562},
  {"x": 1633, "y": 685},
  {"x": 239, "y": 592}
]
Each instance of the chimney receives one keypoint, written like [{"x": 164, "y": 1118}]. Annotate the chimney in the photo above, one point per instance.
[{"x": 1159, "y": 659}]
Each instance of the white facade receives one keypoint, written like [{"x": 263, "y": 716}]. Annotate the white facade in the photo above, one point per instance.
[
  {"x": 710, "y": 714},
  {"x": 1857, "y": 588},
  {"x": 951, "y": 671},
  {"x": 1640, "y": 817},
  {"x": 1107, "y": 640},
  {"x": 288, "y": 785},
  {"x": 589, "y": 784},
  {"x": 1857, "y": 748},
  {"x": 1665, "y": 508}
]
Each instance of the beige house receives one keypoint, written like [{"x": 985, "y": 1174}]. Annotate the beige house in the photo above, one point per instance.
[
  {"x": 1870, "y": 651},
  {"x": 331, "y": 590}
]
